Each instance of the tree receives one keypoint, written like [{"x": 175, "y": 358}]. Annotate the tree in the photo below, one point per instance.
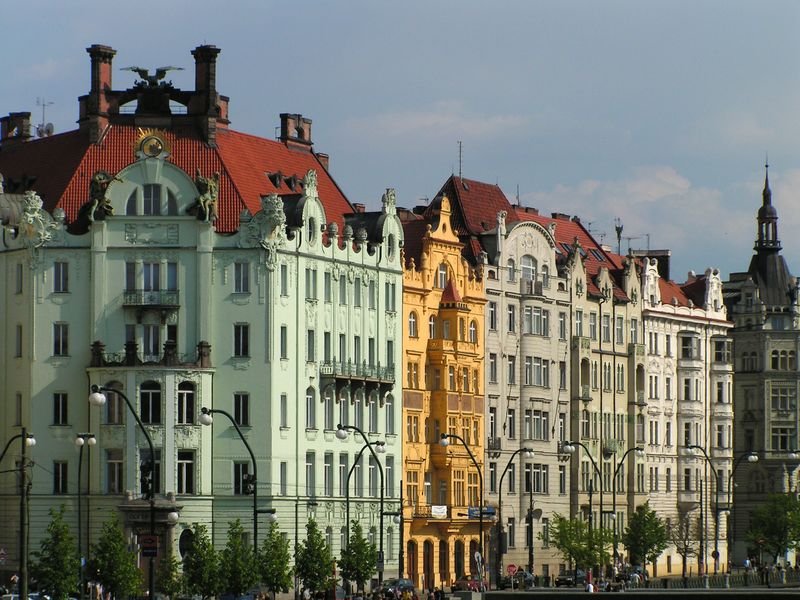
[
  {"x": 684, "y": 535},
  {"x": 201, "y": 565},
  {"x": 314, "y": 562},
  {"x": 273, "y": 562},
  {"x": 238, "y": 566},
  {"x": 360, "y": 559},
  {"x": 775, "y": 526},
  {"x": 56, "y": 564},
  {"x": 114, "y": 564},
  {"x": 170, "y": 580},
  {"x": 571, "y": 538},
  {"x": 646, "y": 536}
]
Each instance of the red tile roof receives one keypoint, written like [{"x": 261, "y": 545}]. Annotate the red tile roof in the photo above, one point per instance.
[
  {"x": 64, "y": 164},
  {"x": 450, "y": 293}
]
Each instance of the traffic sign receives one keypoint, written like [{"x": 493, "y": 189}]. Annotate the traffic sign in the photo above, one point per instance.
[
  {"x": 511, "y": 569},
  {"x": 149, "y": 545}
]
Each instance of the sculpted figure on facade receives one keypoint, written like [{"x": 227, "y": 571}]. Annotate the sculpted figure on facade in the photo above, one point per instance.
[
  {"x": 99, "y": 206},
  {"x": 208, "y": 188},
  {"x": 310, "y": 184},
  {"x": 389, "y": 200}
]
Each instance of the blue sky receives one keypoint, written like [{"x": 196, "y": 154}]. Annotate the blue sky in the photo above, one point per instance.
[{"x": 659, "y": 113}]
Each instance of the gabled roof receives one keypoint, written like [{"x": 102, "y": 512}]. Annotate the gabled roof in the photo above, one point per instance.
[
  {"x": 63, "y": 165},
  {"x": 450, "y": 294}
]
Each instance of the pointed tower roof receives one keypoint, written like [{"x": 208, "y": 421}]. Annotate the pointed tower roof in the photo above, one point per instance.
[{"x": 450, "y": 294}]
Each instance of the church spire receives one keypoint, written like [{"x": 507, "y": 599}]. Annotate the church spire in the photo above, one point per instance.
[{"x": 767, "y": 220}]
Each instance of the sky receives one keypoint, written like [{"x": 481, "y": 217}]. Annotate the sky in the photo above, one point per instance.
[{"x": 658, "y": 113}]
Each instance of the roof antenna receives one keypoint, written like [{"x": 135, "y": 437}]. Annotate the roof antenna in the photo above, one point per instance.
[
  {"x": 618, "y": 229},
  {"x": 459, "y": 159},
  {"x": 518, "y": 204}
]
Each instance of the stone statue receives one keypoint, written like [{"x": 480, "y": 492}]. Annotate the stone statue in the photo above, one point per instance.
[
  {"x": 207, "y": 200},
  {"x": 310, "y": 184},
  {"x": 99, "y": 204}
]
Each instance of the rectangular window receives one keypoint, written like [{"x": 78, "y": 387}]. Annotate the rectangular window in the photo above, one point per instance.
[
  {"x": 18, "y": 283},
  {"x": 311, "y": 410},
  {"x": 634, "y": 331},
  {"x": 152, "y": 277},
  {"x": 284, "y": 410},
  {"x": 579, "y": 323},
  {"x": 512, "y": 370},
  {"x": 60, "y": 477},
  {"x": 152, "y": 341},
  {"x": 185, "y": 404},
  {"x": 284, "y": 478},
  {"x": 562, "y": 479},
  {"x": 311, "y": 488},
  {"x": 512, "y": 318},
  {"x": 342, "y": 290},
  {"x": 619, "y": 333},
  {"x": 492, "y": 477},
  {"x": 388, "y": 473},
  {"x": 114, "y": 480},
  {"x": 241, "y": 408},
  {"x": 151, "y": 199},
  {"x": 150, "y": 403},
  {"x": 357, "y": 292},
  {"x": 284, "y": 342},
  {"x": 373, "y": 294},
  {"x": 527, "y": 377},
  {"x": 593, "y": 325},
  {"x": 311, "y": 284},
  {"x": 492, "y": 316},
  {"x": 61, "y": 277},
  {"x": 493, "y": 367},
  {"x": 284, "y": 280},
  {"x": 60, "y": 339},
  {"x": 327, "y": 474},
  {"x": 172, "y": 276},
  {"x": 327, "y": 287},
  {"x": 185, "y": 483},
  {"x": 241, "y": 277},
  {"x": 344, "y": 467},
  {"x": 241, "y": 339},
  {"x": 512, "y": 423},
  {"x": 606, "y": 328},
  {"x": 130, "y": 276},
  {"x": 60, "y": 408},
  {"x": 241, "y": 478},
  {"x": 311, "y": 354},
  {"x": 562, "y": 326},
  {"x": 18, "y": 341},
  {"x": 512, "y": 532}
]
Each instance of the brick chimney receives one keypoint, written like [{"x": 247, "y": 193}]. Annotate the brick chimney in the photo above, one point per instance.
[
  {"x": 15, "y": 128},
  {"x": 296, "y": 131},
  {"x": 324, "y": 160},
  {"x": 206, "y": 105},
  {"x": 94, "y": 108},
  {"x": 358, "y": 207}
]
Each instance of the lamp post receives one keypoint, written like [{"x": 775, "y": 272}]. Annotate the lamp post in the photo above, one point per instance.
[
  {"x": 341, "y": 433},
  {"x": 296, "y": 535},
  {"x": 445, "y": 441},
  {"x": 398, "y": 518},
  {"x": 498, "y": 557},
  {"x": 251, "y": 482},
  {"x": 98, "y": 398},
  {"x": 26, "y": 441},
  {"x": 639, "y": 453},
  {"x": 570, "y": 448},
  {"x": 380, "y": 448},
  {"x": 715, "y": 555},
  {"x": 81, "y": 440},
  {"x": 750, "y": 457}
]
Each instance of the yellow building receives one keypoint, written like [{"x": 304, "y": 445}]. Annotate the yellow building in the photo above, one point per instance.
[{"x": 443, "y": 307}]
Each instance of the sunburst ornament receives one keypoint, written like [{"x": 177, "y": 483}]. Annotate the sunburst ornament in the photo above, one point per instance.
[{"x": 152, "y": 143}]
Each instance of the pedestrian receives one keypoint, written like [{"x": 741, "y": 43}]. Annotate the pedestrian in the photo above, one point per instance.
[{"x": 589, "y": 587}]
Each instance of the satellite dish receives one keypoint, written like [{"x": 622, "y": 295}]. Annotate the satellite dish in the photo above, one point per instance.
[
  {"x": 48, "y": 129},
  {"x": 40, "y": 130}
]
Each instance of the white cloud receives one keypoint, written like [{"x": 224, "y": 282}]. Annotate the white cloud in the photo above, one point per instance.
[
  {"x": 446, "y": 120},
  {"x": 46, "y": 69},
  {"x": 701, "y": 226}
]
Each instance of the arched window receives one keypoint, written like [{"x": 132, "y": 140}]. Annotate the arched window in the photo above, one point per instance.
[
  {"x": 150, "y": 402},
  {"x": 329, "y": 411},
  {"x": 545, "y": 276},
  {"x": 312, "y": 230},
  {"x": 775, "y": 356},
  {"x": 344, "y": 408},
  {"x": 441, "y": 276},
  {"x": 512, "y": 270},
  {"x": 311, "y": 409},
  {"x": 358, "y": 409},
  {"x": 373, "y": 415},
  {"x": 432, "y": 327},
  {"x": 389, "y": 407},
  {"x": 412, "y": 325},
  {"x": 792, "y": 360},
  {"x": 528, "y": 268},
  {"x": 473, "y": 332},
  {"x": 130, "y": 206},
  {"x": 172, "y": 204},
  {"x": 115, "y": 405},
  {"x": 186, "y": 395}
]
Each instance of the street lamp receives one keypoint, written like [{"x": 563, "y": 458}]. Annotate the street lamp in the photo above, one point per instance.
[
  {"x": 98, "y": 398},
  {"x": 570, "y": 448},
  {"x": 498, "y": 560},
  {"x": 341, "y": 433},
  {"x": 81, "y": 440},
  {"x": 715, "y": 555},
  {"x": 250, "y": 482},
  {"x": 639, "y": 452},
  {"x": 26, "y": 441},
  {"x": 309, "y": 503},
  {"x": 380, "y": 448},
  {"x": 445, "y": 441},
  {"x": 750, "y": 457}
]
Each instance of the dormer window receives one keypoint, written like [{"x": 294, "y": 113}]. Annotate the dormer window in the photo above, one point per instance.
[{"x": 441, "y": 280}]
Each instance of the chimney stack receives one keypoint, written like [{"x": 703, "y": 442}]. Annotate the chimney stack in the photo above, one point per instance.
[
  {"x": 15, "y": 128},
  {"x": 210, "y": 108},
  {"x": 296, "y": 131},
  {"x": 95, "y": 106}
]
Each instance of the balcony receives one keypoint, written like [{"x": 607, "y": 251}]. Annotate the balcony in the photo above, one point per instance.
[
  {"x": 494, "y": 445},
  {"x": 689, "y": 498},
  {"x": 158, "y": 300},
  {"x": 131, "y": 357},
  {"x": 356, "y": 377},
  {"x": 429, "y": 511},
  {"x": 636, "y": 350},
  {"x": 531, "y": 288}
]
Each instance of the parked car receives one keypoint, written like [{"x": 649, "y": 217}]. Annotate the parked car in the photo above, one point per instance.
[
  {"x": 522, "y": 580},
  {"x": 393, "y": 587},
  {"x": 568, "y": 578},
  {"x": 469, "y": 583}
]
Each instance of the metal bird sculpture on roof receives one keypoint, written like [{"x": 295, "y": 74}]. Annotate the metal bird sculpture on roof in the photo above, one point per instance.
[{"x": 152, "y": 80}]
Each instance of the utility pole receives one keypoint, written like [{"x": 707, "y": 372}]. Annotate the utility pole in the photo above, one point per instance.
[
  {"x": 530, "y": 520},
  {"x": 23, "y": 517}
]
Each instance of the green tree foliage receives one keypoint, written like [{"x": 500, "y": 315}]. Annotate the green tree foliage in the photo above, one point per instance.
[
  {"x": 201, "y": 565},
  {"x": 273, "y": 562},
  {"x": 169, "y": 577},
  {"x": 114, "y": 565},
  {"x": 314, "y": 560},
  {"x": 685, "y": 535},
  {"x": 56, "y": 564},
  {"x": 646, "y": 536},
  {"x": 775, "y": 526},
  {"x": 360, "y": 559},
  {"x": 238, "y": 566},
  {"x": 571, "y": 538}
]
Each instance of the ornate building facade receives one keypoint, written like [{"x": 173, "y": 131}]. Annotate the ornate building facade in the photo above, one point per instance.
[
  {"x": 443, "y": 308},
  {"x": 763, "y": 303},
  {"x": 686, "y": 429},
  {"x": 157, "y": 252}
]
